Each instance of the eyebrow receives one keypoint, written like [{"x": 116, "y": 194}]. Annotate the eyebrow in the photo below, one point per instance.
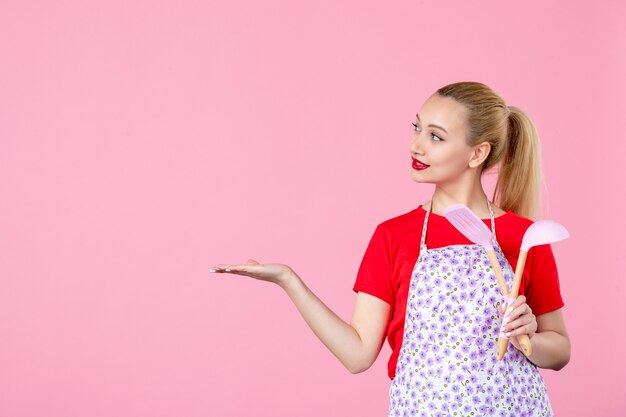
[{"x": 438, "y": 127}]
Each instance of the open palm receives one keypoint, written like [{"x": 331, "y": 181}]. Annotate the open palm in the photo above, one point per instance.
[{"x": 276, "y": 273}]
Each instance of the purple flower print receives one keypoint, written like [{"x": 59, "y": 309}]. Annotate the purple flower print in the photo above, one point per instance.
[{"x": 456, "y": 320}]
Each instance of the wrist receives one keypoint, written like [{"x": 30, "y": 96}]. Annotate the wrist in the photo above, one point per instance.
[{"x": 288, "y": 281}]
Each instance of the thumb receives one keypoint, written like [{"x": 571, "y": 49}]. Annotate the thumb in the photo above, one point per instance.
[{"x": 251, "y": 262}]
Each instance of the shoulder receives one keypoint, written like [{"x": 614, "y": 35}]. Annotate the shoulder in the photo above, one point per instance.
[{"x": 403, "y": 221}]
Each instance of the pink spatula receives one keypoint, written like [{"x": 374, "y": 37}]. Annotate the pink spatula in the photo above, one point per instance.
[{"x": 472, "y": 227}]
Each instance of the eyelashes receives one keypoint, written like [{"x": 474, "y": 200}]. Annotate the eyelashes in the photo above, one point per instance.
[{"x": 432, "y": 134}]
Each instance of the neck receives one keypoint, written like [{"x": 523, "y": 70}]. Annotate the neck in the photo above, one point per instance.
[{"x": 469, "y": 193}]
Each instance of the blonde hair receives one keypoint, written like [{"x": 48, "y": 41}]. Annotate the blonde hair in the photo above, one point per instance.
[{"x": 514, "y": 144}]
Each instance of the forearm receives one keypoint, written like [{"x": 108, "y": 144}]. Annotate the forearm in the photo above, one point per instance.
[
  {"x": 551, "y": 350},
  {"x": 337, "y": 335}
]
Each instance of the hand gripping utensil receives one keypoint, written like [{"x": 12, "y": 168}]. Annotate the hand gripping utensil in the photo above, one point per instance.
[
  {"x": 473, "y": 228},
  {"x": 540, "y": 232}
]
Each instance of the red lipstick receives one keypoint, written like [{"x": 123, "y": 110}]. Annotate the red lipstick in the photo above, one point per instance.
[{"x": 419, "y": 165}]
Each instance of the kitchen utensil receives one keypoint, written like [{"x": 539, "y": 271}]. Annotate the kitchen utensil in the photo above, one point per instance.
[
  {"x": 472, "y": 227},
  {"x": 540, "y": 232}
]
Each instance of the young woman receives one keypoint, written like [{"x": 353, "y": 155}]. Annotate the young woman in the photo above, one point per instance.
[{"x": 431, "y": 292}]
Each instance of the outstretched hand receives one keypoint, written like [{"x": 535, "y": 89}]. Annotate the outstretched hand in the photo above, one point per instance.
[
  {"x": 276, "y": 273},
  {"x": 521, "y": 320}
]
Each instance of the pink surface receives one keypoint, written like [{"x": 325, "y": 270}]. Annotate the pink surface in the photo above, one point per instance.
[{"x": 142, "y": 143}]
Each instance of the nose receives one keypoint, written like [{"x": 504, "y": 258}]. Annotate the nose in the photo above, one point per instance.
[{"x": 416, "y": 144}]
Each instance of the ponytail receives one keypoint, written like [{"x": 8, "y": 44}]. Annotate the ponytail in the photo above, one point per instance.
[{"x": 520, "y": 176}]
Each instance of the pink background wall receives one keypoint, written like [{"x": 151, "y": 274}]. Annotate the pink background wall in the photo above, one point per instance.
[{"x": 142, "y": 143}]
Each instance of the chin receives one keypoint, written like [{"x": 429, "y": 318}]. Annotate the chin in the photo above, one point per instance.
[{"x": 417, "y": 178}]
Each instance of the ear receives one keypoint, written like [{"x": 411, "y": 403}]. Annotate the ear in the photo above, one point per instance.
[{"x": 479, "y": 153}]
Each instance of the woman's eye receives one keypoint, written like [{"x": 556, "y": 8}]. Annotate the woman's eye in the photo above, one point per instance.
[{"x": 432, "y": 134}]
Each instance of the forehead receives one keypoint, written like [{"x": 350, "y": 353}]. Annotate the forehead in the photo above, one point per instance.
[{"x": 445, "y": 112}]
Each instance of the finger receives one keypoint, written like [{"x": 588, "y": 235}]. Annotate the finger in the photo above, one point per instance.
[
  {"x": 520, "y": 300},
  {"x": 218, "y": 268},
  {"x": 524, "y": 320},
  {"x": 525, "y": 329},
  {"x": 521, "y": 311},
  {"x": 231, "y": 268}
]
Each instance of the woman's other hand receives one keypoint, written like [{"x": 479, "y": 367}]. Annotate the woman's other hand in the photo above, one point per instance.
[
  {"x": 276, "y": 273},
  {"x": 521, "y": 320}
]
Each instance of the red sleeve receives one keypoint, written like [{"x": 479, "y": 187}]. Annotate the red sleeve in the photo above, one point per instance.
[
  {"x": 374, "y": 276},
  {"x": 543, "y": 292}
]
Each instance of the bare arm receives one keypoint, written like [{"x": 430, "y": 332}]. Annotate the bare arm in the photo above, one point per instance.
[
  {"x": 551, "y": 344},
  {"x": 357, "y": 344}
]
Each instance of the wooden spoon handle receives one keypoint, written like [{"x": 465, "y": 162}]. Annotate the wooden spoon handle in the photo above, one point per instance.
[
  {"x": 504, "y": 290},
  {"x": 523, "y": 339}
]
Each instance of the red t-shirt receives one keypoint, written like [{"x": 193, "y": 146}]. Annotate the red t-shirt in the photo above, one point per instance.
[{"x": 387, "y": 265}]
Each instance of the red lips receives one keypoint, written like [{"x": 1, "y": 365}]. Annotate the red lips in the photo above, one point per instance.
[{"x": 419, "y": 165}]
